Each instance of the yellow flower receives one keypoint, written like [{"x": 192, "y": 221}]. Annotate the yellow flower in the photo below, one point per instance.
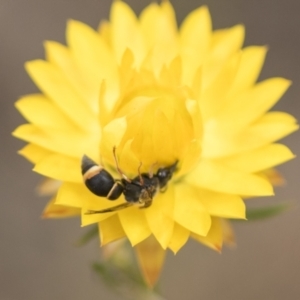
[{"x": 160, "y": 95}]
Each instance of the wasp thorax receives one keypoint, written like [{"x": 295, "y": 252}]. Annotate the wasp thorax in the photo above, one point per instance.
[{"x": 141, "y": 189}]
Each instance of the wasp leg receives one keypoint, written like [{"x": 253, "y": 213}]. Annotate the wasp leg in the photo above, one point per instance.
[
  {"x": 164, "y": 189},
  {"x": 116, "y": 191},
  {"x": 146, "y": 204},
  {"x": 151, "y": 170},
  {"x": 140, "y": 175},
  {"x": 111, "y": 209}
]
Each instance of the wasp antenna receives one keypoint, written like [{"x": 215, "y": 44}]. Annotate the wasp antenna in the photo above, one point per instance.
[
  {"x": 140, "y": 174},
  {"x": 174, "y": 166},
  {"x": 151, "y": 170}
]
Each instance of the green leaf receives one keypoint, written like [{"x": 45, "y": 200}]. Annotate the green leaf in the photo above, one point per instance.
[
  {"x": 261, "y": 213},
  {"x": 88, "y": 236}
]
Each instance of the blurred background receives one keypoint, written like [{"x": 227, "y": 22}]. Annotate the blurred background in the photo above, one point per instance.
[{"x": 38, "y": 259}]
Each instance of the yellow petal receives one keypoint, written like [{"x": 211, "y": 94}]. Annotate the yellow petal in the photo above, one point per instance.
[
  {"x": 53, "y": 210},
  {"x": 195, "y": 32},
  {"x": 125, "y": 32},
  {"x": 142, "y": 145},
  {"x": 269, "y": 128},
  {"x": 192, "y": 157},
  {"x": 77, "y": 195},
  {"x": 195, "y": 38},
  {"x": 89, "y": 219},
  {"x": 128, "y": 161},
  {"x": 222, "y": 205},
  {"x": 195, "y": 84},
  {"x": 214, "y": 238},
  {"x": 135, "y": 225},
  {"x": 110, "y": 230},
  {"x": 273, "y": 126},
  {"x": 250, "y": 105},
  {"x": 66, "y": 142},
  {"x": 162, "y": 138},
  {"x": 60, "y": 167},
  {"x": 228, "y": 233},
  {"x": 158, "y": 24},
  {"x": 34, "y": 153},
  {"x": 216, "y": 177},
  {"x": 62, "y": 57},
  {"x": 225, "y": 42},
  {"x": 274, "y": 177},
  {"x": 104, "y": 30},
  {"x": 214, "y": 92},
  {"x": 112, "y": 135},
  {"x": 171, "y": 75},
  {"x": 195, "y": 113},
  {"x": 90, "y": 51},
  {"x": 259, "y": 159},
  {"x": 118, "y": 251},
  {"x": 159, "y": 132},
  {"x": 127, "y": 73},
  {"x": 134, "y": 106},
  {"x": 157, "y": 215},
  {"x": 95, "y": 60},
  {"x": 251, "y": 62},
  {"x": 54, "y": 85},
  {"x": 38, "y": 110},
  {"x": 179, "y": 238},
  {"x": 48, "y": 187},
  {"x": 189, "y": 211},
  {"x": 151, "y": 258},
  {"x": 169, "y": 14}
]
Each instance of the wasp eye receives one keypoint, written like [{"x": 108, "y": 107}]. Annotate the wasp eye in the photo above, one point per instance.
[{"x": 165, "y": 174}]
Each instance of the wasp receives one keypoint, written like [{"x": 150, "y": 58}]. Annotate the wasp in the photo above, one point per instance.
[{"x": 137, "y": 191}]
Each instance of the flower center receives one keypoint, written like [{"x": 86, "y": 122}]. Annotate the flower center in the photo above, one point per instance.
[{"x": 159, "y": 127}]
